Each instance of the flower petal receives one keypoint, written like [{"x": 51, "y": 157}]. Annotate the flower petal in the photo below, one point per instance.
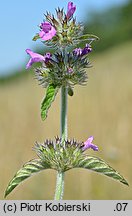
[
  {"x": 45, "y": 26},
  {"x": 87, "y": 49},
  {"x": 35, "y": 57},
  {"x": 47, "y": 31},
  {"x": 29, "y": 64},
  {"x": 88, "y": 144}
]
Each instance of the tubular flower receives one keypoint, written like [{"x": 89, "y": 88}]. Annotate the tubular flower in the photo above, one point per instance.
[
  {"x": 88, "y": 144},
  {"x": 35, "y": 57},
  {"x": 87, "y": 49},
  {"x": 77, "y": 51},
  {"x": 81, "y": 52},
  {"x": 47, "y": 31},
  {"x": 70, "y": 10}
]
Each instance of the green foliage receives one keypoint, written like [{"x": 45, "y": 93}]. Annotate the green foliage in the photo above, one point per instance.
[
  {"x": 99, "y": 165},
  {"x": 25, "y": 172},
  {"x": 113, "y": 26},
  {"x": 62, "y": 159},
  {"x": 49, "y": 98}
]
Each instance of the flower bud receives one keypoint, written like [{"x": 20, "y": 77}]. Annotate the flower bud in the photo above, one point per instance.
[{"x": 70, "y": 10}]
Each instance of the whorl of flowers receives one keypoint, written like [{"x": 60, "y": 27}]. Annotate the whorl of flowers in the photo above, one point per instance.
[
  {"x": 60, "y": 155},
  {"x": 67, "y": 65}
]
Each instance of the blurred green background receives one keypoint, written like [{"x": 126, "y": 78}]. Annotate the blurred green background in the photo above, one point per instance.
[{"x": 103, "y": 109}]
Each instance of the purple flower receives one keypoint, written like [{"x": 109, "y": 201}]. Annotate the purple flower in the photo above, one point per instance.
[
  {"x": 81, "y": 52},
  {"x": 87, "y": 49},
  {"x": 35, "y": 57},
  {"x": 88, "y": 144},
  {"x": 70, "y": 70},
  {"x": 70, "y": 10},
  {"x": 77, "y": 51},
  {"x": 47, "y": 31},
  {"x": 47, "y": 57}
]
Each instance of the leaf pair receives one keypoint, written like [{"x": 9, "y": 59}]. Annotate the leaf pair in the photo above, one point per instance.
[{"x": 87, "y": 162}]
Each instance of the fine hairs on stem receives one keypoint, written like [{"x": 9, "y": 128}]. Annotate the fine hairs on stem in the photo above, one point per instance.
[{"x": 64, "y": 133}]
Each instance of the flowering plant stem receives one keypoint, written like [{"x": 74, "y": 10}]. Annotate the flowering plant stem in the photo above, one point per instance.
[
  {"x": 64, "y": 68},
  {"x": 60, "y": 175},
  {"x": 59, "y": 186},
  {"x": 63, "y": 126}
]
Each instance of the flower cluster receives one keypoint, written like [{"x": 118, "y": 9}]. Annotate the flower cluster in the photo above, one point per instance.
[
  {"x": 63, "y": 156},
  {"x": 67, "y": 66},
  {"x": 62, "y": 69},
  {"x": 35, "y": 57},
  {"x": 61, "y": 30}
]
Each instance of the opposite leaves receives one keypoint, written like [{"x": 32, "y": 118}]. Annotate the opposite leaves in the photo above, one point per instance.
[
  {"x": 99, "y": 165},
  {"x": 25, "y": 172},
  {"x": 49, "y": 98}
]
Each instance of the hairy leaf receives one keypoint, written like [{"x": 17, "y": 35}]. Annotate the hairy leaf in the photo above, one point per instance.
[
  {"x": 25, "y": 172},
  {"x": 88, "y": 37},
  {"x": 49, "y": 98},
  {"x": 99, "y": 165}
]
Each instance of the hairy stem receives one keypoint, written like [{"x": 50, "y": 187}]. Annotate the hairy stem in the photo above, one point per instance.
[
  {"x": 60, "y": 175},
  {"x": 59, "y": 186},
  {"x": 63, "y": 127}
]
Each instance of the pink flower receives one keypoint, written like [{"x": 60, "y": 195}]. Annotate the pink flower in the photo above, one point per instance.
[
  {"x": 88, "y": 144},
  {"x": 47, "y": 31},
  {"x": 70, "y": 10},
  {"x": 70, "y": 70},
  {"x": 35, "y": 57},
  {"x": 81, "y": 52}
]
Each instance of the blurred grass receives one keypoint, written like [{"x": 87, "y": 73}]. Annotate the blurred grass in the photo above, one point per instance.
[{"x": 103, "y": 109}]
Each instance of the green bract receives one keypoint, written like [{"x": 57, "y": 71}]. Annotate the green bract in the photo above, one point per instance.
[{"x": 62, "y": 156}]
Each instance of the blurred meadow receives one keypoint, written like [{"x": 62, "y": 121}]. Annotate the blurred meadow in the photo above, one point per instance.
[{"x": 103, "y": 108}]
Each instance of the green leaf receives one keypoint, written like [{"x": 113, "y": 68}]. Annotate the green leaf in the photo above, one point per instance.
[
  {"x": 88, "y": 37},
  {"x": 25, "y": 172},
  {"x": 36, "y": 37},
  {"x": 49, "y": 98},
  {"x": 99, "y": 165}
]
